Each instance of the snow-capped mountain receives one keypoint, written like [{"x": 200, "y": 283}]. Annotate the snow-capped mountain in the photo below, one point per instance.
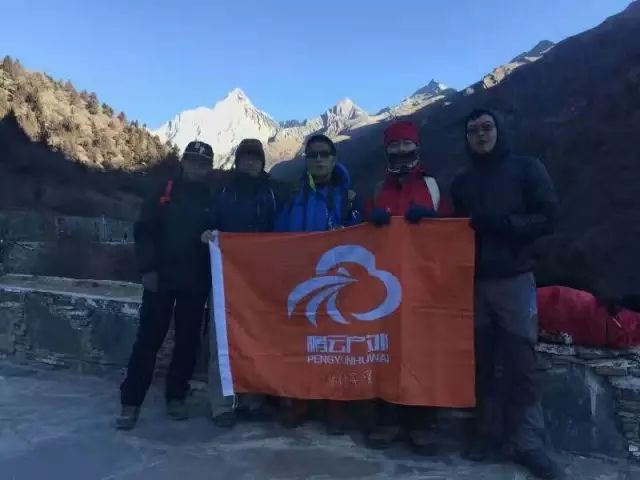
[
  {"x": 223, "y": 126},
  {"x": 235, "y": 117},
  {"x": 344, "y": 115}
]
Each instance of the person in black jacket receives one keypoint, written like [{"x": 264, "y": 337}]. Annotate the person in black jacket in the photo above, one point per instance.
[
  {"x": 176, "y": 278},
  {"x": 511, "y": 202},
  {"x": 247, "y": 203}
]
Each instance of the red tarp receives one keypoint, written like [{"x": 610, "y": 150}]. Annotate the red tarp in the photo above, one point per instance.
[{"x": 579, "y": 315}]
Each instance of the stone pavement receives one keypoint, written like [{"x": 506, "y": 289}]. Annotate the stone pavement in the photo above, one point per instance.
[{"x": 56, "y": 425}]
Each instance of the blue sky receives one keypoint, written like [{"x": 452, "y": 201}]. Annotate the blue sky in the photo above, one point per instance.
[{"x": 294, "y": 59}]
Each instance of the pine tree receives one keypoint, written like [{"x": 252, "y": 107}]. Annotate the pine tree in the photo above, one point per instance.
[
  {"x": 93, "y": 104},
  {"x": 107, "y": 110}
]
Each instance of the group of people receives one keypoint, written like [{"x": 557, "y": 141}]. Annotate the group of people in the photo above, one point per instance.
[{"x": 509, "y": 199}]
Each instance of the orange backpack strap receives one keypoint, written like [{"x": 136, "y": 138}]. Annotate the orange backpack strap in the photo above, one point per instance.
[{"x": 166, "y": 196}]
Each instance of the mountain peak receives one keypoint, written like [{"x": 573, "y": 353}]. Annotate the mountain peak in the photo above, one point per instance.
[
  {"x": 433, "y": 88},
  {"x": 229, "y": 121},
  {"x": 237, "y": 95},
  {"x": 539, "y": 50},
  {"x": 347, "y": 109}
]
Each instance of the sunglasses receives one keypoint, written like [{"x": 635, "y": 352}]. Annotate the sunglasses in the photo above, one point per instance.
[{"x": 318, "y": 155}]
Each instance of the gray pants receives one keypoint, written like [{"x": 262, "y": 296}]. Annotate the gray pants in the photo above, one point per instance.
[
  {"x": 218, "y": 403},
  {"x": 506, "y": 334}
]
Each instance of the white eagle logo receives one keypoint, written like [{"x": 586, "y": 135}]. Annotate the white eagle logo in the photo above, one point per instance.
[{"x": 325, "y": 287}]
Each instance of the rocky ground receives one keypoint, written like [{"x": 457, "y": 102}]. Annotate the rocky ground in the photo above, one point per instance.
[{"x": 57, "y": 425}]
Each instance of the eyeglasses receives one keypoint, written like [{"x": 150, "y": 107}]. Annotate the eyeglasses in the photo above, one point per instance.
[
  {"x": 484, "y": 128},
  {"x": 318, "y": 155}
]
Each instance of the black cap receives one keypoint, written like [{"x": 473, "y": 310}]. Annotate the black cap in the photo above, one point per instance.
[
  {"x": 250, "y": 145},
  {"x": 200, "y": 149}
]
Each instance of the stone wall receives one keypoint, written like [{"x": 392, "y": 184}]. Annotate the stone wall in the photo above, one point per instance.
[
  {"x": 84, "y": 325},
  {"x": 591, "y": 396},
  {"x": 81, "y": 324},
  {"x": 38, "y": 227},
  {"x": 65, "y": 246}
]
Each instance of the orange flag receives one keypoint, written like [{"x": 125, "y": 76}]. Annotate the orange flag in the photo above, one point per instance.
[{"x": 350, "y": 314}]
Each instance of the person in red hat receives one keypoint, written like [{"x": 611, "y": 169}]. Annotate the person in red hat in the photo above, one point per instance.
[{"x": 407, "y": 191}]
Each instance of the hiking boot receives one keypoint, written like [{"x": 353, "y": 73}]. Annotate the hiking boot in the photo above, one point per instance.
[
  {"x": 423, "y": 442},
  {"x": 335, "y": 429},
  {"x": 128, "y": 417},
  {"x": 336, "y": 418},
  {"x": 177, "y": 410},
  {"x": 225, "y": 420},
  {"x": 381, "y": 438},
  {"x": 263, "y": 413},
  {"x": 540, "y": 464},
  {"x": 294, "y": 414},
  {"x": 255, "y": 408},
  {"x": 479, "y": 449}
]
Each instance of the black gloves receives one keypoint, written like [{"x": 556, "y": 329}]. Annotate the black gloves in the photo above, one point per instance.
[
  {"x": 415, "y": 213},
  {"x": 380, "y": 217}
]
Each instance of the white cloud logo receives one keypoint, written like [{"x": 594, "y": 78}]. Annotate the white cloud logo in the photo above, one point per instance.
[{"x": 325, "y": 287}]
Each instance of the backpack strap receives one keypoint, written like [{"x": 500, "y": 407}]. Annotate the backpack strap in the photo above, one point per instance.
[
  {"x": 166, "y": 196},
  {"x": 434, "y": 191}
]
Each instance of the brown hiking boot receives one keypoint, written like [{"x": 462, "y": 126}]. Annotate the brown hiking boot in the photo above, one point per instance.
[
  {"x": 128, "y": 417},
  {"x": 382, "y": 437}
]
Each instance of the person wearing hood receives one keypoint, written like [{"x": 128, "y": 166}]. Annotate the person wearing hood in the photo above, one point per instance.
[
  {"x": 174, "y": 266},
  {"x": 324, "y": 201},
  {"x": 511, "y": 202},
  {"x": 406, "y": 191},
  {"x": 247, "y": 203}
]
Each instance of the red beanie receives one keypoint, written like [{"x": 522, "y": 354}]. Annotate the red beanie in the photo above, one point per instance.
[{"x": 403, "y": 130}]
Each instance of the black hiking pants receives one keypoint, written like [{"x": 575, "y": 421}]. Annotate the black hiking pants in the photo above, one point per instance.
[
  {"x": 509, "y": 407},
  {"x": 187, "y": 308}
]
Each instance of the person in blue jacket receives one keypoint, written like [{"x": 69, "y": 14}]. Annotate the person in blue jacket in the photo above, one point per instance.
[{"x": 324, "y": 201}]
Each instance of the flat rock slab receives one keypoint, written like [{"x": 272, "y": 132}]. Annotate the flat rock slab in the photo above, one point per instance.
[
  {"x": 56, "y": 425},
  {"x": 98, "y": 289}
]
